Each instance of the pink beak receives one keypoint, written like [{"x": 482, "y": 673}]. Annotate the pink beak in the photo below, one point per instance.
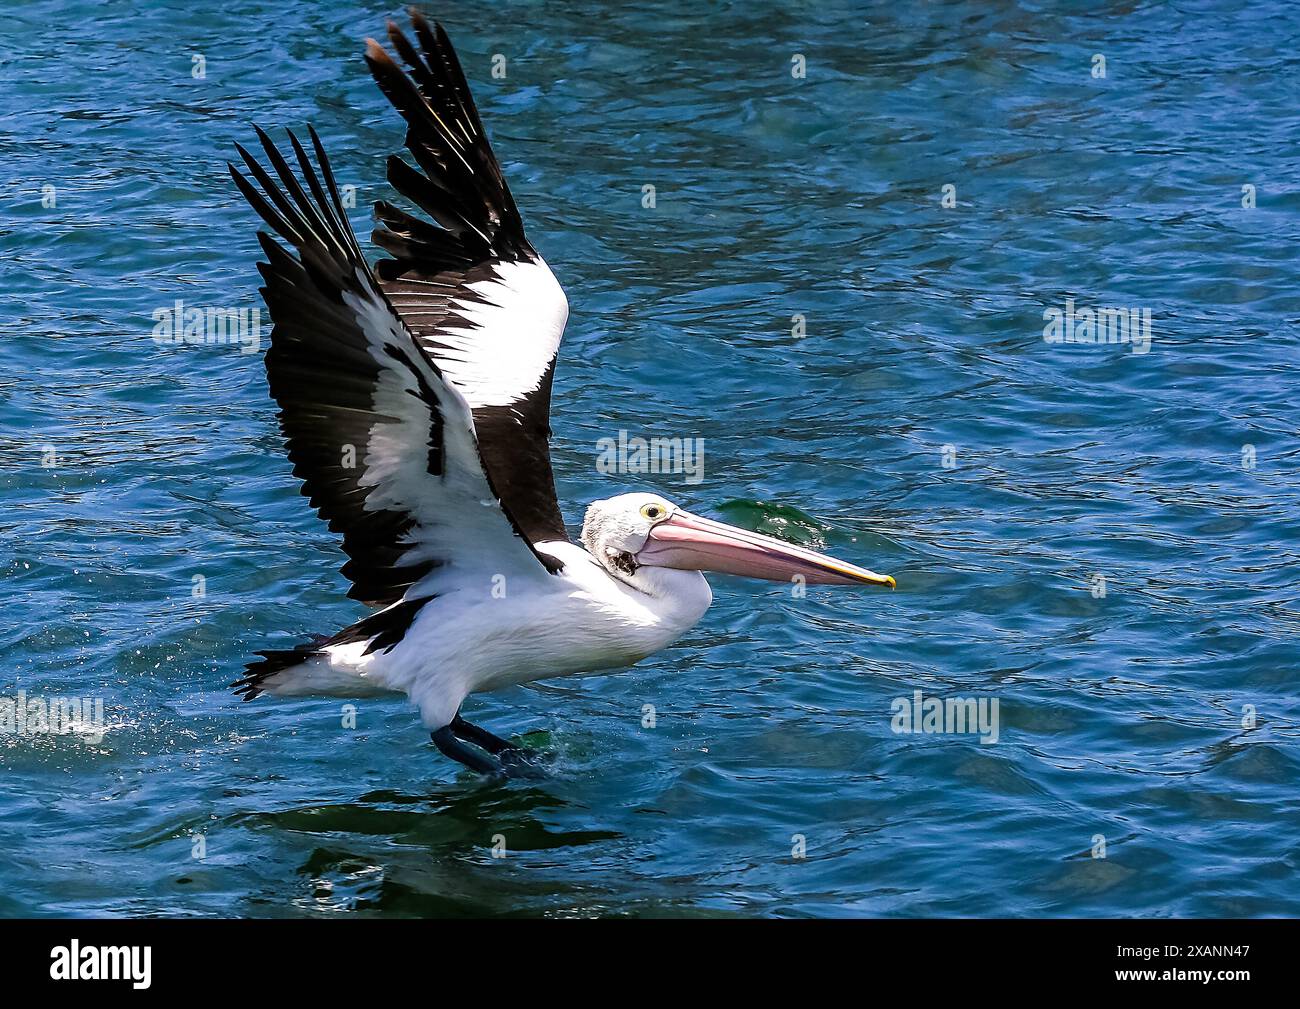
[{"x": 691, "y": 543}]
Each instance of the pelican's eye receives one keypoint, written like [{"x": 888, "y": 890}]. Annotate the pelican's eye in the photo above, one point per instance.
[{"x": 653, "y": 512}]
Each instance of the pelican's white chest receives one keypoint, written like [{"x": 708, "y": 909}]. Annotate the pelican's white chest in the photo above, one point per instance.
[{"x": 585, "y": 620}]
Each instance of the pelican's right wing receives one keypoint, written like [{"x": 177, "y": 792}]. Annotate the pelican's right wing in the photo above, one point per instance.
[
  {"x": 384, "y": 445},
  {"x": 479, "y": 300}
]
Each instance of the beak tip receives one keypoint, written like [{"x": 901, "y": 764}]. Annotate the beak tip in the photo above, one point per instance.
[{"x": 892, "y": 584}]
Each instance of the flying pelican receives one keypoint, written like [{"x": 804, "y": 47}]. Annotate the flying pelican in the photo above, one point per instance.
[{"x": 414, "y": 403}]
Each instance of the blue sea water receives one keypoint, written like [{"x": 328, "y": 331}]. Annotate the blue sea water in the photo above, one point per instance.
[{"x": 1105, "y": 542}]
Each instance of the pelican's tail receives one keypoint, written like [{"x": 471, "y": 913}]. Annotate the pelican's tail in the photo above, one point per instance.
[
  {"x": 333, "y": 666},
  {"x": 278, "y": 668}
]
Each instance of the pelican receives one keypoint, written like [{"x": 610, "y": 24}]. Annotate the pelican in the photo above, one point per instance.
[{"x": 414, "y": 402}]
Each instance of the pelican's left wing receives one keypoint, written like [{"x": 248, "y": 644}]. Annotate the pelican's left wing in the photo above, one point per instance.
[{"x": 385, "y": 446}]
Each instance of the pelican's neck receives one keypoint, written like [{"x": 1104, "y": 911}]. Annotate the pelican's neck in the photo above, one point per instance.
[
  {"x": 666, "y": 583},
  {"x": 678, "y": 598},
  {"x": 675, "y": 597}
]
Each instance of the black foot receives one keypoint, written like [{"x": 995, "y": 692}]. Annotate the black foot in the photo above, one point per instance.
[
  {"x": 479, "y": 737},
  {"x": 502, "y": 760},
  {"x": 445, "y": 740},
  {"x": 512, "y": 756}
]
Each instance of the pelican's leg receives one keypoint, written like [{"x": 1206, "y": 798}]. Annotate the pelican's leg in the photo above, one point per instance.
[
  {"x": 472, "y": 733},
  {"x": 511, "y": 763},
  {"x": 516, "y": 759},
  {"x": 445, "y": 740}
]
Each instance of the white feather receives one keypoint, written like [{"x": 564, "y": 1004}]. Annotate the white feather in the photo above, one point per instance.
[
  {"x": 512, "y": 339},
  {"x": 459, "y": 522},
  {"x": 474, "y": 638}
]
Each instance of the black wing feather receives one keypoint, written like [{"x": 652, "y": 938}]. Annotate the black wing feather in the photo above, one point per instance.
[
  {"x": 326, "y": 376},
  {"x": 460, "y": 186}
]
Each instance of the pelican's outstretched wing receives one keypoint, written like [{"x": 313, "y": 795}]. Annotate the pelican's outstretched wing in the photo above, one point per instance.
[
  {"x": 384, "y": 445},
  {"x": 476, "y": 296}
]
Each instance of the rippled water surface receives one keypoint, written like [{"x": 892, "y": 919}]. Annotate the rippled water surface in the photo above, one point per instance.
[{"x": 915, "y": 419}]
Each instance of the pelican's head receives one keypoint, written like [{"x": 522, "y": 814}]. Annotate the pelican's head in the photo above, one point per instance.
[{"x": 632, "y": 531}]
